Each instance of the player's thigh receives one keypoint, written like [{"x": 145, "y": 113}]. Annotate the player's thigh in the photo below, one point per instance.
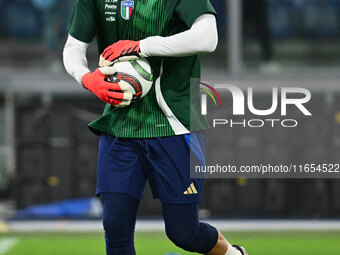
[
  {"x": 169, "y": 171},
  {"x": 119, "y": 212},
  {"x": 119, "y": 169}
]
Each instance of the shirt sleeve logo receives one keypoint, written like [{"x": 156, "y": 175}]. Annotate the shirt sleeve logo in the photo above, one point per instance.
[{"x": 126, "y": 9}]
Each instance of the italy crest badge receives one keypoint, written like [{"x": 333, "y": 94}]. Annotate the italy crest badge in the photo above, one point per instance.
[{"x": 126, "y": 9}]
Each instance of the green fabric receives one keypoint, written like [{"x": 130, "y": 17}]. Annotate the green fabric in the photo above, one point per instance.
[
  {"x": 144, "y": 118},
  {"x": 189, "y": 10}
]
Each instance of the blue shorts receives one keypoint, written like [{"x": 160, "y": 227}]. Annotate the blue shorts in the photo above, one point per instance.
[{"x": 125, "y": 164}]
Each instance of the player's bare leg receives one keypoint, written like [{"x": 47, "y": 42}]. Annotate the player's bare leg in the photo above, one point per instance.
[{"x": 223, "y": 247}]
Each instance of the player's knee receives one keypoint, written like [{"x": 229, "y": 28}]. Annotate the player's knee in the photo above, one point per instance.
[
  {"x": 113, "y": 218},
  {"x": 183, "y": 237},
  {"x": 199, "y": 238},
  {"x": 112, "y": 224},
  {"x": 118, "y": 222}
]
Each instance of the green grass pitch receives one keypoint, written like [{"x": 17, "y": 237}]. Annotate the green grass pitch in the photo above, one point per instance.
[{"x": 156, "y": 243}]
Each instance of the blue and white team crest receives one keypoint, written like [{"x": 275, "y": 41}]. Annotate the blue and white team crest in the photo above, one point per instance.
[{"x": 126, "y": 9}]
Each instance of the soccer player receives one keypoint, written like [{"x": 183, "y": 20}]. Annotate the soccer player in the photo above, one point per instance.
[{"x": 148, "y": 139}]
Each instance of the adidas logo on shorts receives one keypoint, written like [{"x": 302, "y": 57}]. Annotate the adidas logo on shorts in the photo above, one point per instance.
[{"x": 191, "y": 190}]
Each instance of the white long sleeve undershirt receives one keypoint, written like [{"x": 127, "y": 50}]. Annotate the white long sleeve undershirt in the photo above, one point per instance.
[
  {"x": 200, "y": 38},
  {"x": 74, "y": 57}
]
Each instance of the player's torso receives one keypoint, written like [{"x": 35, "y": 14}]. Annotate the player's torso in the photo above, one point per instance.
[{"x": 135, "y": 20}]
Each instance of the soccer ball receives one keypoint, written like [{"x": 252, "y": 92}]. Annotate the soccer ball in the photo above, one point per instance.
[{"x": 136, "y": 73}]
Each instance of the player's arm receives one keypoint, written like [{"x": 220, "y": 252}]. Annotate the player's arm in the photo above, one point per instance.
[
  {"x": 75, "y": 63},
  {"x": 202, "y": 37},
  {"x": 82, "y": 29},
  {"x": 74, "y": 56}
]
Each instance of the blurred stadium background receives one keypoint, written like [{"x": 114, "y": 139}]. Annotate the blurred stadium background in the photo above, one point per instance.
[{"x": 47, "y": 154}]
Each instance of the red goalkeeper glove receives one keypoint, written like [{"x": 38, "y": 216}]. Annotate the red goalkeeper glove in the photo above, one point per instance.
[
  {"x": 116, "y": 94},
  {"x": 120, "y": 51}
]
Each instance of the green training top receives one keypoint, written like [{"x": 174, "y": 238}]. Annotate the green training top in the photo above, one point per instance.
[{"x": 168, "y": 109}]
